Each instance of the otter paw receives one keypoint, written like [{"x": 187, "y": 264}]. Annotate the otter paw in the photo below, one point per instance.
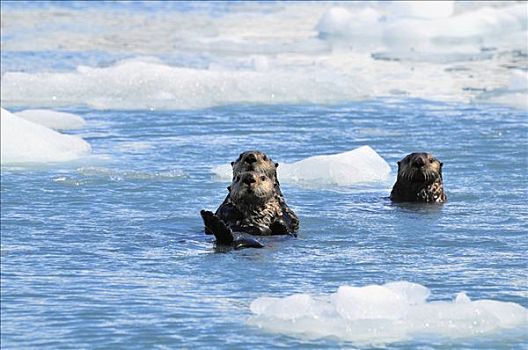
[
  {"x": 216, "y": 226},
  {"x": 279, "y": 228}
]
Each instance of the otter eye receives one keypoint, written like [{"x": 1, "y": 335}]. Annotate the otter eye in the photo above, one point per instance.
[
  {"x": 265, "y": 157},
  {"x": 263, "y": 178},
  {"x": 237, "y": 178},
  {"x": 431, "y": 160}
]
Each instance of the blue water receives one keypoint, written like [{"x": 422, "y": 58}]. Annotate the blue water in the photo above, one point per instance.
[{"x": 109, "y": 252}]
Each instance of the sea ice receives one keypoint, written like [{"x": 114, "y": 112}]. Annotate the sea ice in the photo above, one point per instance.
[
  {"x": 53, "y": 119},
  {"x": 362, "y": 164},
  {"x": 428, "y": 26},
  {"x": 26, "y": 142},
  {"x": 298, "y": 53},
  {"x": 381, "y": 314}
]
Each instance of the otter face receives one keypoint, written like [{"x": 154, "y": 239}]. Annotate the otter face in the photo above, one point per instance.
[
  {"x": 419, "y": 168},
  {"x": 255, "y": 161},
  {"x": 251, "y": 187}
]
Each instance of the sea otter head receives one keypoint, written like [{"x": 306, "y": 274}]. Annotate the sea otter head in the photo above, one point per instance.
[
  {"x": 251, "y": 188},
  {"x": 255, "y": 161},
  {"x": 420, "y": 168}
]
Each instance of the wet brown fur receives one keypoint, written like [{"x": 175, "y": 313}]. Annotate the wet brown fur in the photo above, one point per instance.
[
  {"x": 255, "y": 161},
  {"x": 253, "y": 195},
  {"x": 286, "y": 221},
  {"x": 419, "y": 180}
]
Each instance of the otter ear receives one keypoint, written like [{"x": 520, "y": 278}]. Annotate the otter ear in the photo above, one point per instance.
[
  {"x": 399, "y": 163},
  {"x": 229, "y": 188},
  {"x": 441, "y": 165},
  {"x": 276, "y": 165},
  {"x": 232, "y": 163}
]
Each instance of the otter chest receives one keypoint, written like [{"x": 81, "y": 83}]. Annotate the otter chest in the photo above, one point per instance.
[{"x": 433, "y": 193}]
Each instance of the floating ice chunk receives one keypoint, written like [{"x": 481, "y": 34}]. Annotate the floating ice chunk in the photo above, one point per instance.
[
  {"x": 420, "y": 9},
  {"x": 287, "y": 308},
  {"x": 381, "y": 314},
  {"x": 462, "y": 298},
  {"x": 362, "y": 164},
  {"x": 136, "y": 84},
  {"x": 223, "y": 172},
  {"x": 370, "y": 302},
  {"x": 27, "y": 142},
  {"x": 514, "y": 94},
  {"x": 412, "y": 293},
  {"x": 484, "y": 26},
  {"x": 53, "y": 119},
  {"x": 363, "y": 26},
  {"x": 429, "y": 26}
]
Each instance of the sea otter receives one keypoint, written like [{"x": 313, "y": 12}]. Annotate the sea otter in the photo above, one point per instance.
[
  {"x": 257, "y": 161},
  {"x": 419, "y": 180},
  {"x": 254, "y": 208}
]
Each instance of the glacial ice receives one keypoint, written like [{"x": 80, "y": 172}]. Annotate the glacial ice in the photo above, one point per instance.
[
  {"x": 381, "y": 314},
  {"x": 140, "y": 84},
  {"x": 298, "y": 53},
  {"x": 362, "y": 164},
  {"x": 25, "y": 142},
  {"x": 53, "y": 119},
  {"x": 424, "y": 26}
]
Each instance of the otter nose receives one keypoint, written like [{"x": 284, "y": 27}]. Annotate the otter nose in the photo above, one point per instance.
[
  {"x": 419, "y": 162},
  {"x": 249, "y": 179},
  {"x": 251, "y": 158}
]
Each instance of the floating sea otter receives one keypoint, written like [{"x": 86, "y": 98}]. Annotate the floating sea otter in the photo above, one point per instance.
[
  {"x": 255, "y": 203},
  {"x": 253, "y": 208},
  {"x": 259, "y": 162},
  {"x": 419, "y": 180}
]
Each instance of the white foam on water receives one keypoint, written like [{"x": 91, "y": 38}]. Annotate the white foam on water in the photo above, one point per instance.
[
  {"x": 382, "y": 314},
  {"x": 53, "y": 119},
  {"x": 360, "y": 165},
  {"x": 25, "y": 143}
]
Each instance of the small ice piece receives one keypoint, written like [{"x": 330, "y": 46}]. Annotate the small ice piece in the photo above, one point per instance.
[
  {"x": 288, "y": 308},
  {"x": 223, "y": 172},
  {"x": 362, "y": 164},
  {"x": 27, "y": 142},
  {"x": 413, "y": 293},
  {"x": 421, "y": 9},
  {"x": 462, "y": 298},
  {"x": 362, "y": 27},
  {"x": 383, "y": 314},
  {"x": 53, "y": 119},
  {"x": 367, "y": 303}
]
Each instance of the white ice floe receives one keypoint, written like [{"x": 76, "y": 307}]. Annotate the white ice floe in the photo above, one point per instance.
[
  {"x": 420, "y": 9},
  {"x": 514, "y": 94},
  {"x": 53, "y": 119},
  {"x": 25, "y": 142},
  {"x": 267, "y": 53},
  {"x": 362, "y": 164},
  {"x": 381, "y": 314},
  {"x": 138, "y": 84},
  {"x": 428, "y": 26}
]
